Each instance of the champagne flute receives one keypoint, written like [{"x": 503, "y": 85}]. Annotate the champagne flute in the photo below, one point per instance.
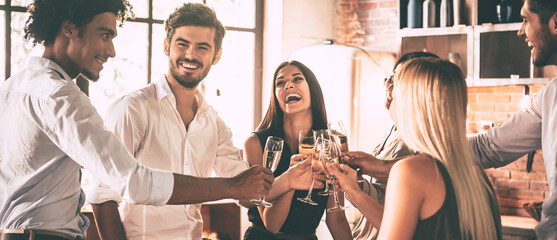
[
  {"x": 271, "y": 159},
  {"x": 306, "y": 145},
  {"x": 316, "y": 163},
  {"x": 338, "y": 133},
  {"x": 333, "y": 157},
  {"x": 306, "y": 141}
]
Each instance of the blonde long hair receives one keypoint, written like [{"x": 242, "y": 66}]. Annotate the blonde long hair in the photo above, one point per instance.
[{"x": 431, "y": 101}]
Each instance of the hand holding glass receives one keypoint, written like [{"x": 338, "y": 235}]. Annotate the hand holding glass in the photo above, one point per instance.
[
  {"x": 332, "y": 157},
  {"x": 271, "y": 159}
]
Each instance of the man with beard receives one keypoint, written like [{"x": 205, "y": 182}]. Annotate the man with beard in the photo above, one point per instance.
[
  {"x": 536, "y": 126},
  {"x": 169, "y": 125},
  {"x": 49, "y": 130}
]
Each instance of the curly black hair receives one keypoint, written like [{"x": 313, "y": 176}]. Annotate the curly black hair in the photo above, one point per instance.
[{"x": 46, "y": 16}]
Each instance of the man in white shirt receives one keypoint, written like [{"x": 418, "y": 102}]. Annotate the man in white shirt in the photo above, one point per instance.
[
  {"x": 49, "y": 130},
  {"x": 169, "y": 125}
]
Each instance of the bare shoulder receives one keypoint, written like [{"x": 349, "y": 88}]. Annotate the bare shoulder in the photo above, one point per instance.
[
  {"x": 252, "y": 142},
  {"x": 417, "y": 167}
]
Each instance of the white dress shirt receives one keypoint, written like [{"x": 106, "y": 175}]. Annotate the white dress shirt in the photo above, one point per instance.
[
  {"x": 48, "y": 130},
  {"x": 526, "y": 131},
  {"x": 149, "y": 125}
]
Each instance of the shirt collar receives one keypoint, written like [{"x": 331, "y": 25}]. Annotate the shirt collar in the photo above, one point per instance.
[
  {"x": 36, "y": 62},
  {"x": 163, "y": 90}
]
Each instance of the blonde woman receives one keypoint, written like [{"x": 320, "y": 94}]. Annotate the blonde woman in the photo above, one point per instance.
[{"x": 439, "y": 193}]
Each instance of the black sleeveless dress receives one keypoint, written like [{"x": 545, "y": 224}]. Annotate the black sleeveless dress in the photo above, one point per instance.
[
  {"x": 302, "y": 219},
  {"x": 445, "y": 224}
]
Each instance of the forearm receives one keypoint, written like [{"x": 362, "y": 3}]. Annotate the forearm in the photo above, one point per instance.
[
  {"x": 274, "y": 217},
  {"x": 371, "y": 209},
  {"x": 190, "y": 190},
  {"x": 108, "y": 220},
  {"x": 280, "y": 187},
  {"x": 336, "y": 221},
  {"x": 338, "y": 225}
]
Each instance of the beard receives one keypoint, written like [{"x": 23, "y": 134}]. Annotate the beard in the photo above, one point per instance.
[
  {"x": 546, "y": 49},
  {"x": 188, "y": 80},
  {"x": 89, "y": 75}
]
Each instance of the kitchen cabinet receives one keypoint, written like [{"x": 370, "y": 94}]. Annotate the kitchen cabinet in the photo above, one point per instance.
[{"x": 490, "y": 53}]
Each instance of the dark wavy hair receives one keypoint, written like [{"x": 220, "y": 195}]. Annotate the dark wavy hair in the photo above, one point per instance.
[
  {"x": 274, "y": 117},
  {"x": 46, "y": 16},
  {"x": 544, "y": 8},
  {"x": 194, "y": 14}
]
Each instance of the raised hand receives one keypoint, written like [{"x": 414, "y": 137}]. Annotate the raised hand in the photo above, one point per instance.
[
  {"x": 346, "y": 178},
  {"x": 253, "y": 183},
  {"x": 369, "y": 165},
  {"x": 300, "y": 174}
]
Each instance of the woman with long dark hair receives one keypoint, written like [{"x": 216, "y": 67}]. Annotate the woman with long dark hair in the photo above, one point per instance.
[{"x": 296, "y": 103}]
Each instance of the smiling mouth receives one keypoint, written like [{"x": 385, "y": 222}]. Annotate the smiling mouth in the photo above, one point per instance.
[
  {"x": 293, "y": 97},
  {"x": 190, "y": 66},
  {"x": 100, "y": 60}
]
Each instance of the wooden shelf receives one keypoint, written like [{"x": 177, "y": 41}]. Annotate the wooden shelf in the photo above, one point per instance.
[
  {"x": 483, "y": 82},
  {"x": 519, "y": 226},
  {"x": 418, "y": 32},
  {"x": 483, "y": 46}
]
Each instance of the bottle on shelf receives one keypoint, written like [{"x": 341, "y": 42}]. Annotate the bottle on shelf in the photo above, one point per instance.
[
  {"x": 454, "y": 57},
  {"x": 414, "y": 14},
  {"x": 456, "y": 12},
  {"x": 445, "y": 13},
  {"x": 429, "y": 14},
  {"x": 504, "y": 11}
]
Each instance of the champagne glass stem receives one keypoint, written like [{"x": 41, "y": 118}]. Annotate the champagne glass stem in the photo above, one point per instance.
[
  {"x": 337, "y": 206},
  {"x": 307, "y": 199}
]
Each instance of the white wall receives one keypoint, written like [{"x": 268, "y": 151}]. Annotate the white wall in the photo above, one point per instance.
[{"x": 290, "y": 25}]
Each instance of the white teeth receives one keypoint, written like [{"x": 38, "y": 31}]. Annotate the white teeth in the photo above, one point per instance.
[
  {"x": 292, "y": 97},
  {"x": 189, "y": 66},
  {"x": 530, "y": 44}
]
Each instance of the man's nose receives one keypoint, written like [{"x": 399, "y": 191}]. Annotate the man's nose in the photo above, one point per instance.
[
  {"x": 189, "y": 53},
  {"x": 521, "y": 32},
  {"x": 111, "y": 51}
]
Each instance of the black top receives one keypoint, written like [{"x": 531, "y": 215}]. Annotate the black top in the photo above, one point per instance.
[
  {"x": 445, "y": 224},
  {"x": 302, "y": 218}
]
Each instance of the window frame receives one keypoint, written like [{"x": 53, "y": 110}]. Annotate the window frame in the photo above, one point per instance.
[{"x": 258, "y": 46}]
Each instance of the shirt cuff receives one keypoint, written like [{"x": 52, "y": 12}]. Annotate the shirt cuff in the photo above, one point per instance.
[
  {"x": 163, "y": 186},
  {"x": 99, "y": 194}
]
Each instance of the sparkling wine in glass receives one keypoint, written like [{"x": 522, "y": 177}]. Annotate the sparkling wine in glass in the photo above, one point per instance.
[
  {"x": 332, "y": 157},
  {"x": 306, "y": 147},
  {"x": 339, "y": 135},
  {"x": 306, "y": 141},
  {"x": 319, "y": 149},
  {"x": 271, "y": 159}
]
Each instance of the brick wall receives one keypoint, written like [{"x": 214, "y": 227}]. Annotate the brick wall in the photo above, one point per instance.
[
  {"x": 373, "y": 24},
  {"x": 513, "y": 184},
  {"x": 369, "y": 23}
]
